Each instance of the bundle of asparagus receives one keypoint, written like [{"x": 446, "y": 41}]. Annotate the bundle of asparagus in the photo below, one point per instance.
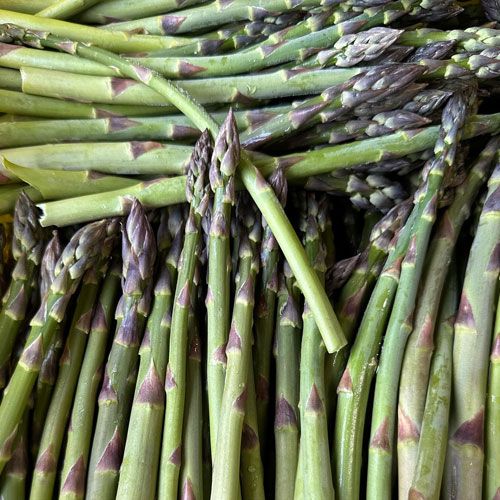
[{"x": 308, "y": 197}]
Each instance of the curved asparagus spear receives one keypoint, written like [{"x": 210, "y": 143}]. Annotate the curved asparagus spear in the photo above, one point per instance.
[
  {"x": 115, "y": 398},
  {"x": 226, "y": 462},
  {"x": 139, "y": 469},
  {"x": 418, "y": 352},
  {"x": 78, "y": 445},
  {"x": 225, "y": 160},
  {"x": 64, "y": 9},
  {"x": 45, "y": 469},
  {"x": 287, "y": 353},
  {"x": 81, "y": 253},
  {"x": 426, "y": 200},
  {"x": 27, "y": 247},
  {"x": 492, "y": 441},
  {"x": 426, "y": 481},
  {"x": 175, "y": 381},
  {"x": 267, "y": 288},
  {"x": 471, "y": 348}
]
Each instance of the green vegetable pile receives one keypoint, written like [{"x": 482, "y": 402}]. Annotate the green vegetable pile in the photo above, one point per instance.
[{"x": 249, "y": 249}]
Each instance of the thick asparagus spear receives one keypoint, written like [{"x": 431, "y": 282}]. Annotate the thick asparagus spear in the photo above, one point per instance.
[
  {"x": 418, "y": 352},
  {"x": 64, "y": 9},
  {"x": 81, "y": 253},
  {"x": 225, "y": 160},
  {"x": 492, "y": 452},
  {"x": 287, "y": 353},
  {"x": 175, "y": 382},
  {"x": 226, "y": 462},
  {"x": 45, "y": 469},
  {"x": 27, "y": 247},
  {"x": 384, "y": 413},
  {"x": 471, "y": 347},
  {"x": 426, "y": 481},
  {"x": 139, "y": 469},
  {"x": 115, "y": 398},
  {"x": 78, "y": 445}
]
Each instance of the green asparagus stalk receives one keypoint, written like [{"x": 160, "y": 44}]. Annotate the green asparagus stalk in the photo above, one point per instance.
[
  {"x": 471, "y": 347},
  {"x": 225, "y": 160},
  {"x": 110, "y": 10},
  {"x": 139, "y": 468},
  {"x": 45, "y": 469},
  {"x": 426, "y": 482},
  {"x": 191, "y": 482},
  {"x": 226, "y": 462},
  {"x": 287, "y": 353},
  {"x": 78, "y": 444},
  {"x": 27, "y": 247},
  {"x": 26, "y": 6},
  {"x": 115, "y": 41},
  {"x": 251, "y": 467},
  {"x": 48, "y": 371},
  {"x": 265, "y": 311},
  {"x": 314, "y": 448},
  {"x": 13, "y": 481},
  {"x": 418, "y": 352},
  {"x": 175, "y": 382},
  {"x": 64, "y": 9},
  {"x": 491, "y": 465},
  {"x": 81, "y": 253},
  {"x": 8, "y": 198},
  {"x": 386, "y": 389},
  {"x": 115, "y": 398}
]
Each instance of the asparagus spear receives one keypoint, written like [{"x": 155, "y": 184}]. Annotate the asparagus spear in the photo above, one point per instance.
[
  {"x": 27, "y": 247},
  {"x": 222, "y": 169},
  {"x": 287, "y": 352},
  {"x": 115, "y": 398},
  {"x": 175, "y": 382},
  {"x": 491, "y": 469},
  {"x": 81, "y": 253},
  {"x": 491, "y": 9},
  {"x": 267, "y": 288},
  {"x": 48, "y": 371},
  {"x": 386, "y": 389},
  {"x": 315, "y": 456},
  {"x": 45, "y": 469},
  {"x": 26, "y": 6},
  {"x": 81, "y": 423},
  {"x": 226, "y": 462},
  {"x": 253, "y": 181},
  {"x": 471, "y": 347},
  {"x": 426, "y": 481},
  {"x": 64, "y": 9},
  {"x": 417, "y": 357},
  {"x": 139, "y": 468}
]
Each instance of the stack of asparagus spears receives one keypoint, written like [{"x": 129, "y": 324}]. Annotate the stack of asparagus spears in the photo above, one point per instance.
[{"x": 265, "y": 257}]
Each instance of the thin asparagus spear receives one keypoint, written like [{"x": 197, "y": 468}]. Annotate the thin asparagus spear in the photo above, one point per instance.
[
  {"x": 314, "y": 447},
  {"x": 175, "y": 382},
  {"x": 138, "y": 473},
  {"x": 124, "y": 9},
  {"x": 426, "y": 481},
  {"x": 26, "y": 6},
  {"x": 384, "y": 413},
  {"x": 473, "y": 329},
  {"x": 82, "y": 415},
  {"x": 226, "y": 462},
  {"x": 225, "y": 160},
  {"x": 81, "y": 253},
  {"x": 115, "y": 41},
  {"x": 115, "y": 398},
  {"x": 64, "y": 9},
  {"x": 48, "y": 371},
  {"x": 191, "y": 481},
  {"x": 418, "y": 352},
  {"x": 492, "y": 452},
  {"x": 45, "y": 469},
  {"x": 13, "y": 481},
  {"x": 27, "y": 247},
  {"x": 251, "y": 467},
  {"x": 287, "y": 352}
]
